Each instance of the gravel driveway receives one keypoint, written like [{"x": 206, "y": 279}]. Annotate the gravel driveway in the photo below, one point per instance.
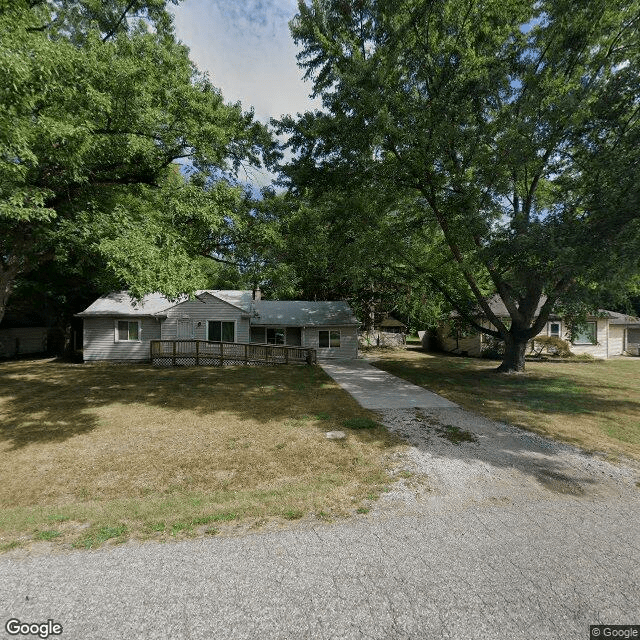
[{"x": 490, "y": 532}]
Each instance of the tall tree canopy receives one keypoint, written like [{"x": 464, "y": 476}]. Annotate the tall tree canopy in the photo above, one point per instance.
[
  {"x": 498, "y": 137},
  {"x": 98, "y": 102}
]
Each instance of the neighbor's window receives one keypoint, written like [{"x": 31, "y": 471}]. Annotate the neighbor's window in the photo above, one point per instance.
[
  {"x": 127, "y": 330},
  {"x": 554, "y": 329},
  {"x": 221, "y": 331},
  {"x": 328, "y": 339},
  {"x": 587, "y": 335}
]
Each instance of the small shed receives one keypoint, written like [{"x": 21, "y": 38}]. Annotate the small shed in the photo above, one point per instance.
[{"x": 391, "y": 325}]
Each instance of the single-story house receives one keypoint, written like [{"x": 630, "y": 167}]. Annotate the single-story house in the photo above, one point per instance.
[
  {"x": 605, "y": 335},
  {"x": 117, "y": 327}
]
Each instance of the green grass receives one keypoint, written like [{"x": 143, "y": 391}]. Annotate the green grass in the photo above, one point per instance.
[
  {"x": 594, "y": 405},
  {"x": 360, "y": 423},
  {"x": 96, "y": 454},
  {"x": 47, "y": 535},
  {"x": 101, "y": 535},
  {"x": 455, "y": 435}
]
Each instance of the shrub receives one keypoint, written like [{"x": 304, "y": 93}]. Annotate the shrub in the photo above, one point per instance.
[
  {"x": 551, "y": 344},
  {"x": 492, "y": 348}
]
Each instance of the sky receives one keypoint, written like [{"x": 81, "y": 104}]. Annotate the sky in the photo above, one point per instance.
[{"x": 246, "y": 47}]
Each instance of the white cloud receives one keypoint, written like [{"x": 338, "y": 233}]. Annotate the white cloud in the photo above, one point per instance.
[{"x": 248, "y": 51}]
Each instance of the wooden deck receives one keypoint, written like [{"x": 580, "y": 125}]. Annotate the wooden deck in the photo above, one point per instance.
[{"x": 185, "y": 353}]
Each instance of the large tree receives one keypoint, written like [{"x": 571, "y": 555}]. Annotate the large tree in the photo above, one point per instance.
[
  {"x": 98, "y": 103},
  {"x": 507, "y": 129}
]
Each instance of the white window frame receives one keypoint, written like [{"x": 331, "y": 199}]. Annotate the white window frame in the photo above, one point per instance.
[
  {"x": 129, "y": 321},
  {"x": 589, "y": 342},
  {"x": 235, "y": 329},
  {"x": 559, "y": 334},
  {"x": 330, "y": 331}
]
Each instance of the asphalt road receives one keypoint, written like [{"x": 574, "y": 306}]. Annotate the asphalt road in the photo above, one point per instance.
[{"x": 542, "y": 570}]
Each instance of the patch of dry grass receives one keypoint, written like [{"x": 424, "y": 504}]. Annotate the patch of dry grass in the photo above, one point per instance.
[
  {"x": 595, "y": 405},
  {"x": 107, "y": 452}
]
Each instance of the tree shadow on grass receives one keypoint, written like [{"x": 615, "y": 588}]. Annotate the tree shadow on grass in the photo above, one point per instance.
[
  {"x": 49, "y": 401},
  {"x": 505, "y": 447},
  {"x": 558, "y": 393}
]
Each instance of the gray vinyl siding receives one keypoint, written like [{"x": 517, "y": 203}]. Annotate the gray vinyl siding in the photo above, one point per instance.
[
  {"x": 99, "y": 339},
  {"x": 348, "y": 341},
  {"x": 198, "y": 312}
]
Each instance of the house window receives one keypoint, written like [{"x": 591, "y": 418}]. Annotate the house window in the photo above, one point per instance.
[
  {"x": 587, "y": 335},
  {"x": 328, "y": 339},
  {"x": 221, "y": 331},
  {"x": 258, "y": 335},
  {"x": 554, "y": 329},
  {"x": 128, "y": 330},
  {"x": 275, "y": 336}
]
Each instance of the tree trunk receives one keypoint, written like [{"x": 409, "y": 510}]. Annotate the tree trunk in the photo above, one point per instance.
[
  {"x": 514, "y": 350},
  {"x": 7, "y": 277}
]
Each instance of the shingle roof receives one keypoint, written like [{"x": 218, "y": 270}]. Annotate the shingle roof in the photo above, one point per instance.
[
  {"x": 498, "y": 307},
  {"x": 392, "y": 322},
  {"x": 120, "y": 303},
  {"x": 621, "y": 318},
  {"x": 302, "y": 313},
  {"x": 237, "y": 297}
]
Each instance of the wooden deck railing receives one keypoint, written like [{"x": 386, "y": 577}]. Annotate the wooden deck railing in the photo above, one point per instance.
[{"x": 168, "y": 353}]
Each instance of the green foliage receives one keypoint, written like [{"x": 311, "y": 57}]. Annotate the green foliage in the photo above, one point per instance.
[
  {"x": 492, "y": 348},
  {"x": 550, "y": 344},
  {"x": 99, "y": 107},
  {"x": 492, "y": 146}
]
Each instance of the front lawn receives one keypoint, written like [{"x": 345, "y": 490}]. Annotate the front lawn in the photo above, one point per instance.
[
  {"x": 92, "y": 453},
  {"x": 595, "y": 405}
]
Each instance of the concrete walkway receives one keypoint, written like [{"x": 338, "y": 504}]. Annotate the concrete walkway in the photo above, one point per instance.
[{"x": 376, "y": 389}]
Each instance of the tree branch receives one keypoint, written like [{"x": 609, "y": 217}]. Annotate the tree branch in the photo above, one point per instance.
[{"x": 122, "y": 17}]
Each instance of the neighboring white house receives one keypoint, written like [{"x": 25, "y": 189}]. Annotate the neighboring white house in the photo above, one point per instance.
[
  {"x": 606, "y": 335},
  {"x": 116, "y": 327}
]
